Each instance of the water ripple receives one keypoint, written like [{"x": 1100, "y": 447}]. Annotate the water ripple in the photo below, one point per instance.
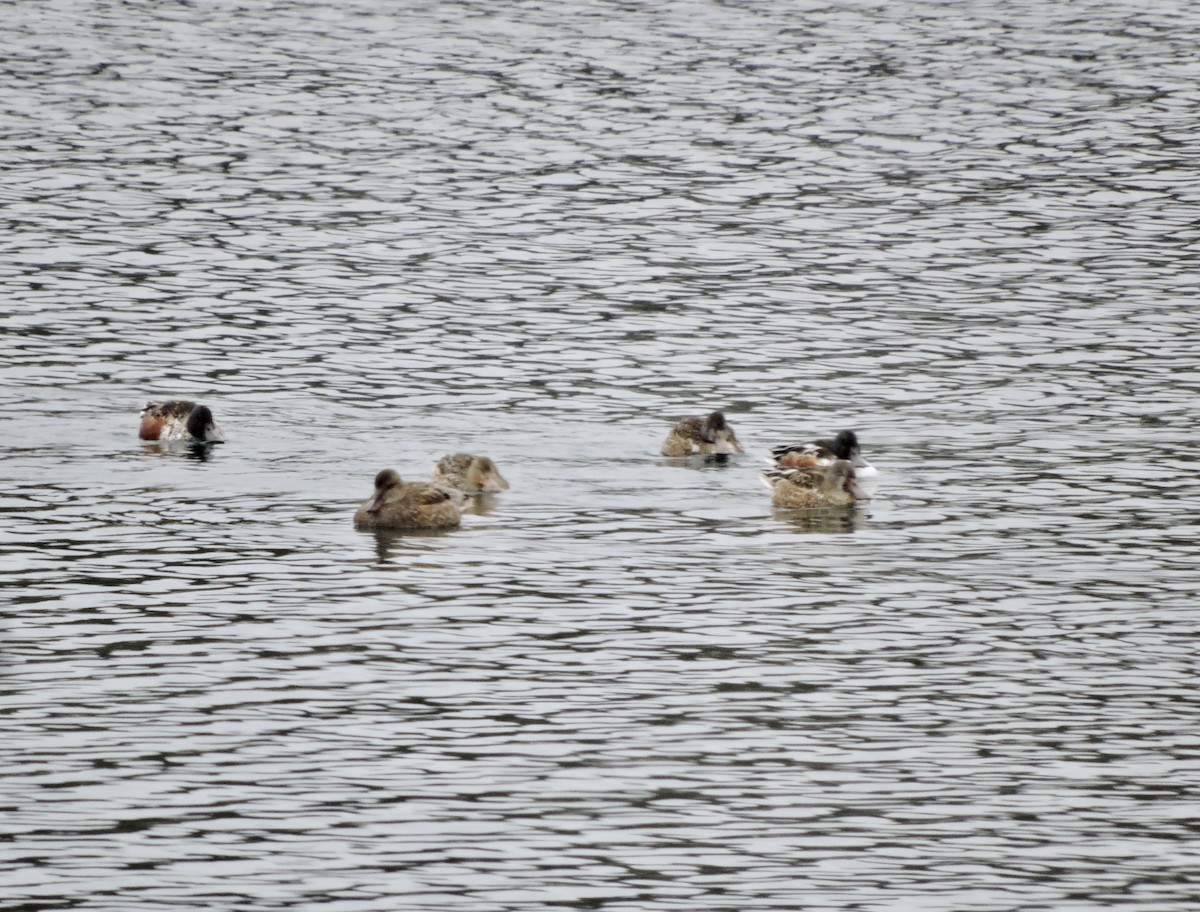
[{"x": 368, "y": 237}]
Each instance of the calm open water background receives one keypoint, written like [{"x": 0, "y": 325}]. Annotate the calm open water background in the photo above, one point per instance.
[{"x": 370, "y": 233}]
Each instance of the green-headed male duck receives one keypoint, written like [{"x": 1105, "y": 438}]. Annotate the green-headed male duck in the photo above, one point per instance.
[
  {"x": 823, "y": 452},
  {"x": 469, "y": 473},
  {"x": 408, "y": 505},
  {"x": 179, "y": 419},
  {"x": 702, "y": 437}
]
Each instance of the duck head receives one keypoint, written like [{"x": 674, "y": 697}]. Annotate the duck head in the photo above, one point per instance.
[
  {"x": 483, "y": 474},
  {"x": 202, "y": 426},
  {"x": 385, "y": 482},
  {"x": 845, "y": 446},
  {"x": 715, "y": 428},
  {"x": 844, "y": 473}
]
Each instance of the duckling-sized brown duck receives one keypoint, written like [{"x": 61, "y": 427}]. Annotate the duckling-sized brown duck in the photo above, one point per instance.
[
  {"x": 831, "y": 485},
  {"x": 408, "y": 505},
  {"x": 469, "y": 473},
  {"x": 702, "y": 437}
]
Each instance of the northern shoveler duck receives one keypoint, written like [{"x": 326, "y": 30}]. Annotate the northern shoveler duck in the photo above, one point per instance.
[
  {"x": 179, "y": 419},
  {"x": 823, "y": 452},
  {"x": 469, "y": 473},
  {"x": 409, "y": 505},
  {"x": 831, "y": 485},
  {"x": 702, "y": 437}
]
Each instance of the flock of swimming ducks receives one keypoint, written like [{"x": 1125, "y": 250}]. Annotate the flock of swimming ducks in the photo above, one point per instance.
[{"x": 820, "y": 473}]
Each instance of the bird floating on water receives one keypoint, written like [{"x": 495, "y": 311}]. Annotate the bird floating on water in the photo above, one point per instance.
[
  {"x": 409, "y": 505},
  {"x": 702, "y": 437},
  {"x": 469, "y": 473},
  {"x": 830, "y": 485},
  {"x": 179, "y": 419},
  {"x": 824, "y": 452}
]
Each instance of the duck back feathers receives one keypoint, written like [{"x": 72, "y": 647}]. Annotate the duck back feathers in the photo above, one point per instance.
[
  {"x": 823, "y": 452},
  {"x": 830, "y": 485}
]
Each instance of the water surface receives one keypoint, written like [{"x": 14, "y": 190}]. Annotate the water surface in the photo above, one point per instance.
[{"x": 369, "y": 234}]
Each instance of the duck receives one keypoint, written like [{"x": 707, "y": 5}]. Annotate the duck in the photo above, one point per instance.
[
  {"x": 409, "y": 505},
  {"x": 702, "y": 436},
  {"x": 179, "y": 419},
  {"x": 469, "y": 473},
  {"x": 824, "y": 452},
  {"x": 831, "y": 485}
]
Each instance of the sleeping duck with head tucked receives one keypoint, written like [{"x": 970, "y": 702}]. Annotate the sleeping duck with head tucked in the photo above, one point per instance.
[
  {"x": 409, "y": 505},
  {"x": 469, "y": 473},
  {"x": 702, "y": 437},
  {"x": 824, "y": 452},
  {"x": 179, "y": 419},
  {"x": 831, "y": 485}
]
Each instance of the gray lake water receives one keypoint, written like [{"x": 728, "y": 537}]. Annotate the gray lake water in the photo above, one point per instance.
[{"x": 370, "y": 233}]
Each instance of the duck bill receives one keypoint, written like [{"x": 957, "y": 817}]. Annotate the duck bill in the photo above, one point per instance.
[
  {"x": 855, "y": 490},
  {"x": 212, "y": 435},
  {"x": 376, "y": 504}
]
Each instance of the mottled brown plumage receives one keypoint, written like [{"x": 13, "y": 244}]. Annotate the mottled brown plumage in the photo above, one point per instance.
[
  {"x": 408, "y": 505},
  {"x": 701, "y": 437},
  {"x": 469, "y": 473},
  {"x": 830, "y": 485}
]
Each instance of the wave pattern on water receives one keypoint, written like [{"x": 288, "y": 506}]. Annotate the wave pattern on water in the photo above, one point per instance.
[{"x": 368, "y": 235}]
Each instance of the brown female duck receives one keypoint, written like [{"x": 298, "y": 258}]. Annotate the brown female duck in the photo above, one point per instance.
[
  {"x": 469, "y": 473},
  {"x": 831, "y": 485},
  {"x": 702, "y": 437},
  {"x": 408, "y": 505}
]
